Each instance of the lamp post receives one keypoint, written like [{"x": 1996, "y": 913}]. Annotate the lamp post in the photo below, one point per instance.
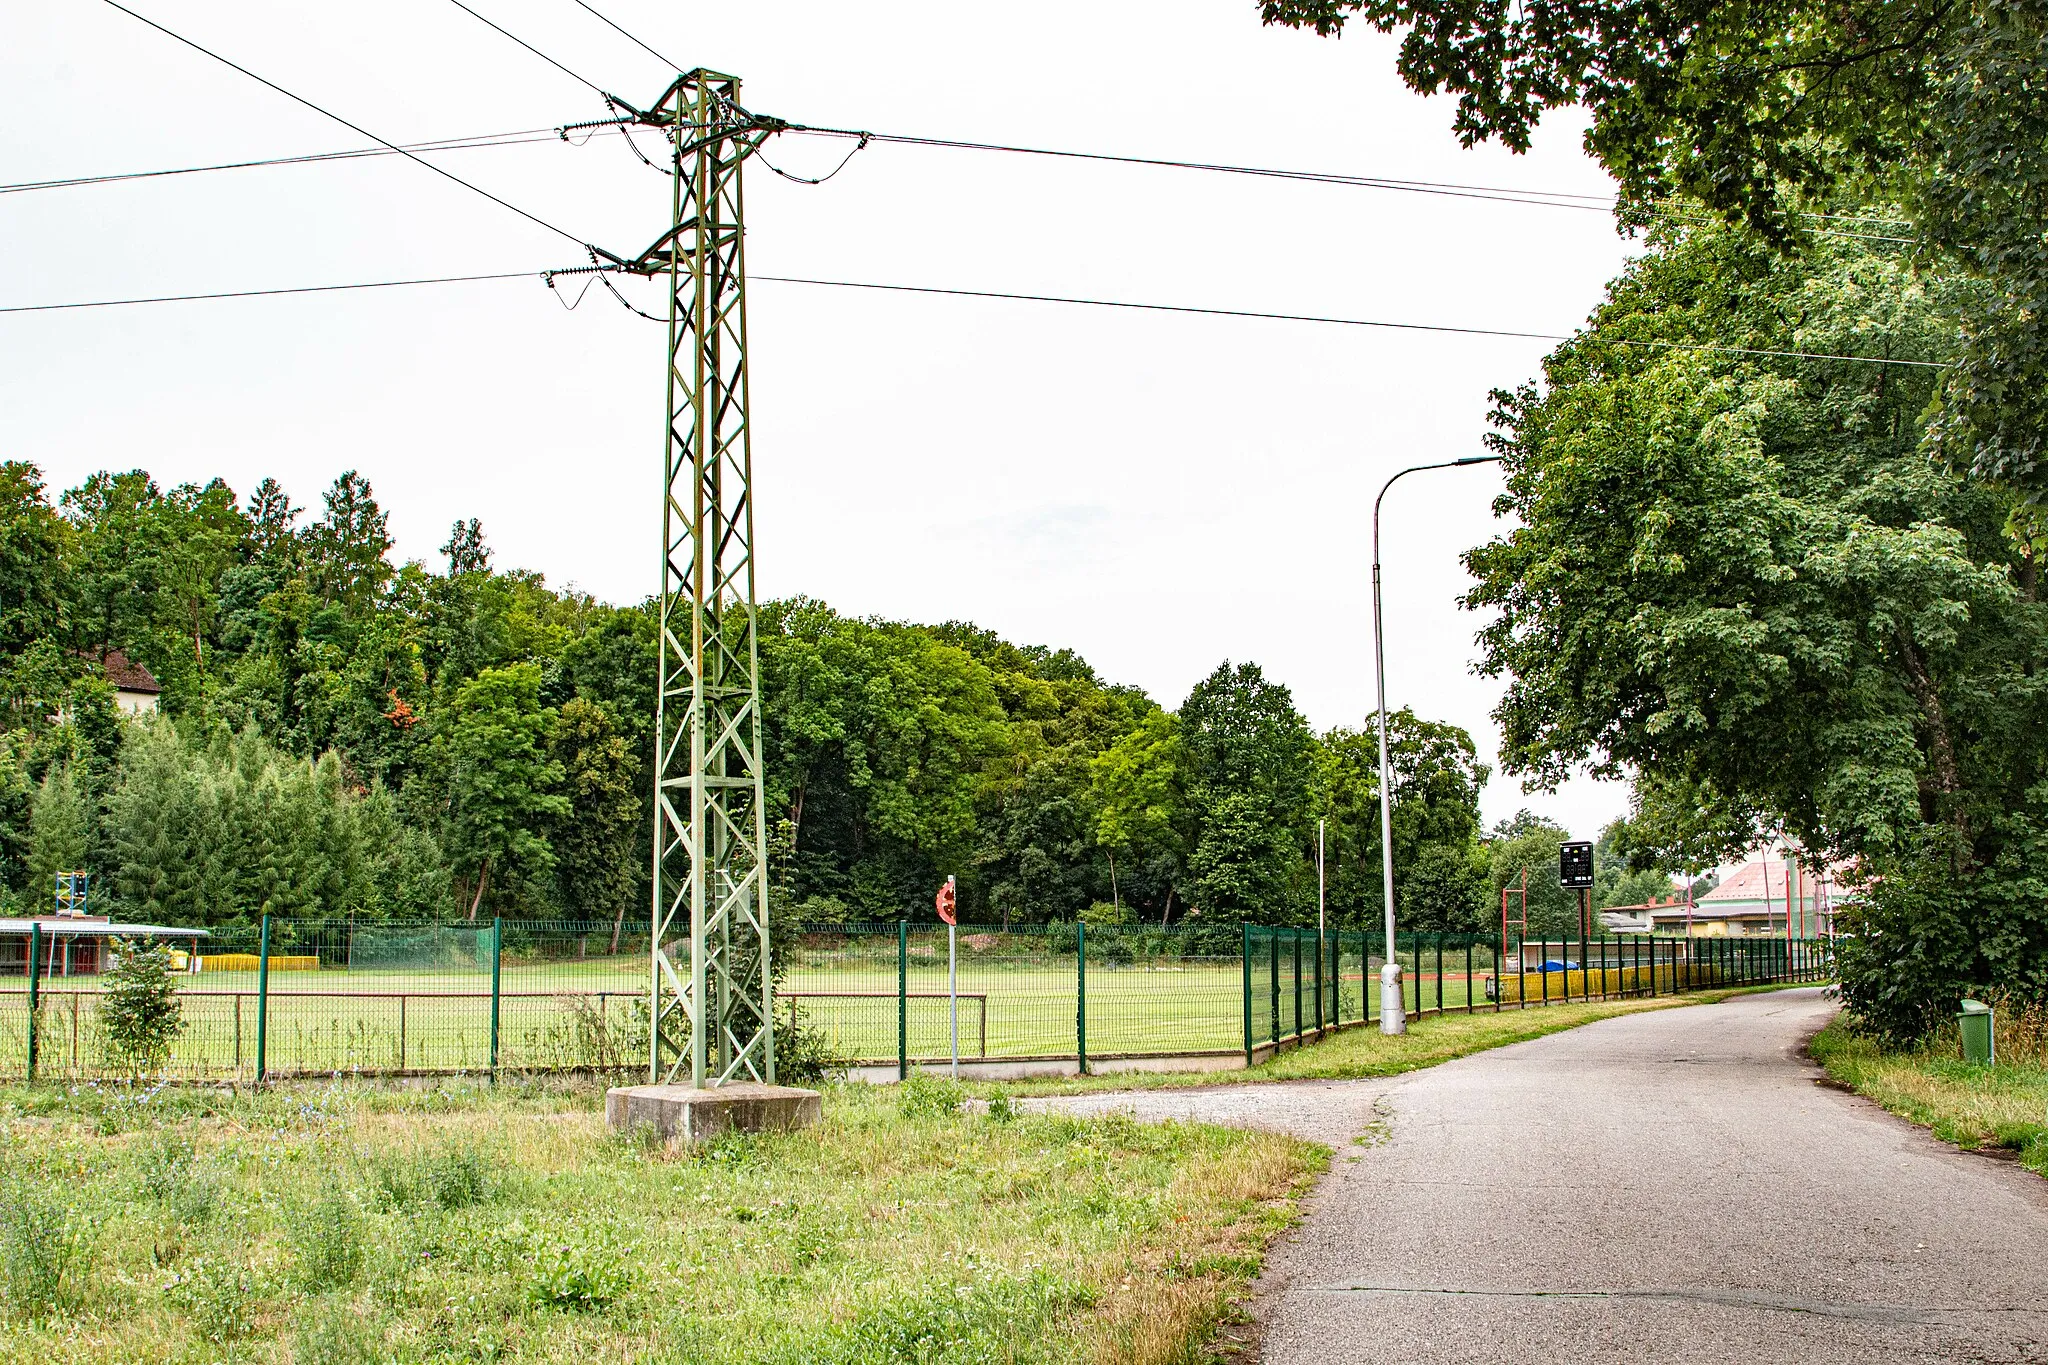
[{"x": 1393, "y": 1008}]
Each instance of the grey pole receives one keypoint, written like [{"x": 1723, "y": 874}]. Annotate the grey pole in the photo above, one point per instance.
[{"x": 1393, "y": 1012}]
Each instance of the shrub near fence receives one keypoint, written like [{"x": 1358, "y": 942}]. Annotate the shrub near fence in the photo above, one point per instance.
[{"x": 562, "y": 996}]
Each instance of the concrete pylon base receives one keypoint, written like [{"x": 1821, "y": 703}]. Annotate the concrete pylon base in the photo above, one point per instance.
[{"x": 686, "y": 1114}]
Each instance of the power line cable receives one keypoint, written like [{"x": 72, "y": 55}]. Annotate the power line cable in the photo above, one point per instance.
[
  {"x": 1487, "y": 193},
  {"x": 449, "y": 144},
  {"x": 603, "y": 273},
  {"x": 353, "y": 127},
  {"x": 269, "y": 293},
  {"x": 1331, "y": 321},
  {"x": 673, "y": 66},
  {"x": 529, "y": 47},
  {"x": 1543, "y": 198}
]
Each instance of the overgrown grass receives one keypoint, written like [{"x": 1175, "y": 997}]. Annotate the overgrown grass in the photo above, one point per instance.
[
  {"x": 347, "y": 1224},
  {"x": 1363, "y": 1051},
  {"x": 2003, "y": 1106}
]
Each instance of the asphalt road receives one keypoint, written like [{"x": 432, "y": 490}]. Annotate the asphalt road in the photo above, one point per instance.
[{"x": 1672, "y": 1186}]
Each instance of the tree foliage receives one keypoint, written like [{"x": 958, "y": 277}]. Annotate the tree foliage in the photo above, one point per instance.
[
  {"x": 345, "y": 736},
  {"x": 1746, "y": 581},
  {"x": 1763, "y": 113}
]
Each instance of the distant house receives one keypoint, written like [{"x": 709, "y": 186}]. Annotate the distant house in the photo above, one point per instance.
[
  {"x": 1757, "y": 900},
  {"x": 135, "y": 688},
  {"x": 76, "y": 945}
]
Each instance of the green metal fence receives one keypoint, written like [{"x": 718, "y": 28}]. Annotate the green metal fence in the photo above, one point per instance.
[
  {"x": 292, "y": 998},
  {"x": 878, "y": 992},
  {"x": 1299, "y": 985}
]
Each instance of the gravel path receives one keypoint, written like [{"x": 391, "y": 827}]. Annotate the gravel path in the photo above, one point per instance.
[{"x": 1329, "y": 1112}]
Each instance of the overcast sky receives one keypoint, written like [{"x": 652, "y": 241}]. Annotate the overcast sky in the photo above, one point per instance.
[{"x": 1158, "y": 492}]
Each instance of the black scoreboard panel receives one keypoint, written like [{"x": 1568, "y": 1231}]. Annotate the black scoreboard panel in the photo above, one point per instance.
[{"x": 1575, "y": 865}]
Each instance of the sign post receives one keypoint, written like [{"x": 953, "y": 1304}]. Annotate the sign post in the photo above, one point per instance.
[
  {"x": 1575, "y": 873},
  {"x": 946, "y": 901}
]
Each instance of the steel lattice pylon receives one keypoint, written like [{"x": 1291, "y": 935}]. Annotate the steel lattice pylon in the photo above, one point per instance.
[{"x": 710, "y": 829}]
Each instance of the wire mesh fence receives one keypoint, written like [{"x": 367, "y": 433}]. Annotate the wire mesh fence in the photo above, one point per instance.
[
  {"x": 289, "y": 997},
  {"x": 880, "y": 992},
  {"x": 1298, "y": 984}
]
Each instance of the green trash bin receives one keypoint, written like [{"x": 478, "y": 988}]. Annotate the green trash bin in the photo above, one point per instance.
[{"x": 1979, "y": 1043}]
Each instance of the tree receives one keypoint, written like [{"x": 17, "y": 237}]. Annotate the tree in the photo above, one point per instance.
[
  {"x": 1142, "y": 810},
  {"x": 33, "y": 540},
  {"x": 466, "y": 550},
  {"x": 1763, "y": 112},
  {"x": 1527, "y": 844},
  {"x": 273, "y": 525},
  {"x": 503, "y": 789},
  {"x": 59, "y": 827},
  {"x": 1250, "y": 764},
  {"x": 117, "y": 561},
  {"x": 596, "y": 837},
  {"x": 140, "y": 1016},
  {"x": 1439, "y": 877},
  {"x": 1744, "y": 581},
  {"x": 346, "y": 548}
]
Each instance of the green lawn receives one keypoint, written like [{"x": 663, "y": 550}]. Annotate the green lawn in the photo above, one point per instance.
[
  {"x": 2001, "y": 1107},
  {"x": 345, "y": 1224}
]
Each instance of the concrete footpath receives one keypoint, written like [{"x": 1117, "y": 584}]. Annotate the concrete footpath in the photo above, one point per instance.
[{"x": 1671, "y": 1186}]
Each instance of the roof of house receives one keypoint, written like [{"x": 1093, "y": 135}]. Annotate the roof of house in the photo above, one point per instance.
[
  {"x": 126, "y": 674},
  {"x": 80, "y": 925}
]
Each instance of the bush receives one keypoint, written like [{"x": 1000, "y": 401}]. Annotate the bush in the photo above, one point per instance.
[
  {"x": 140, "y": 1016},
  {"x": 45, "y": 1252},
  {"x": 1925, "y": 934}
]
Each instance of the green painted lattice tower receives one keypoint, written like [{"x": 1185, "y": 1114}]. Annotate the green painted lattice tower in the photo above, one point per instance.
[{"x": 710, "y": 822}]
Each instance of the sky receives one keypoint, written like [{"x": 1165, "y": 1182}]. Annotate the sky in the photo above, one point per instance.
[{"x": 1159, "y": 492}]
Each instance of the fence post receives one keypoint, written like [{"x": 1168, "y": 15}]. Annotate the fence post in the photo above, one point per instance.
[
  {"x": 1337, "y": 978},
  {"x": 263, "y": 1003},
  {"x": 35, "y": 1000},
  {"x": 1319, "y": 982},
  {"x": 497, "y": 944},
  {"x": 1247, "y": 934},
  {"x": 1272, "y": 937},
  {"x": 1500, "y": 969},
  {"x": 903, "y": 1000},
  {"x": 1081, "y": 994},
  {"x": 1297, "y": 986}
]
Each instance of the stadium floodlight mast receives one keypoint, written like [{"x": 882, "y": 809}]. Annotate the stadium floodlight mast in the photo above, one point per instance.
[{"x": 1393, "y": 1009}]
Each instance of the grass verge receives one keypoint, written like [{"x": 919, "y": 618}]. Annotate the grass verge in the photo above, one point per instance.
[
  {"x": 1361, "y": 1052},
  {"x": 346, "y": 1225},
  {"x": 2003, "y": 1107}
]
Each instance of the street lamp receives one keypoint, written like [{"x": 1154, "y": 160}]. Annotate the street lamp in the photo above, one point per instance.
[{"x": 1393, "y": 1009}]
